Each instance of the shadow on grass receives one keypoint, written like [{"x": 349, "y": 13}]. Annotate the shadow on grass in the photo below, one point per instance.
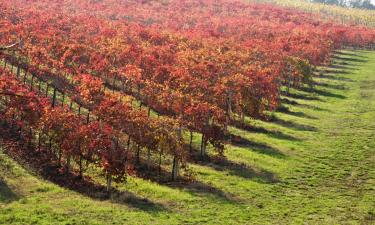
[
  {"x": 330, "y": 86},
  {"x": 90, "y": 188},
  {"x": 40, "y": 162},
  {"x": 347, "y": 64},
  {"x": 342, "y": 66},
  {"x": 240, "y": 170},
  {"x": 333, "y": 71},
  {"x": 6, "y": 193},
  {"x": 261, "y": 148},
  {"x": 290, "y": 102},
  {"x": 292, "y": 125},
  {"x": 340, "y": 53},
  {"x": 300, "y": 96},
  {"x": 270, "y": 133},
  {"x": 196, "y": 187},
  {"x": 321, "y": 92},
  {"x": 285, "y": 110},
  {"x": 300, "y": 105},
  {"x": 188, "y": 184},
  {"x": 341, "y": 57},
  {"x": 334, "y": 78}
]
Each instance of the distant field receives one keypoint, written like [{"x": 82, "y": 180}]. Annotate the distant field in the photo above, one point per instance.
[
  {"x": 345, "y": 15},
  {"x": 313, "y": 164}
]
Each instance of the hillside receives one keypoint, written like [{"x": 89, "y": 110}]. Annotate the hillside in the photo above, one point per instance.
[
  {"x": 313, "y": 164},
  {"x": 185, "y": 112}
]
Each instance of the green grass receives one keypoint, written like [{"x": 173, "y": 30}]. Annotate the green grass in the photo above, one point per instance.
[{"x": 313, "y": 164}]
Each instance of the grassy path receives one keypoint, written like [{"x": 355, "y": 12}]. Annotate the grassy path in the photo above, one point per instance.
[{"x": 314, "y": 163}]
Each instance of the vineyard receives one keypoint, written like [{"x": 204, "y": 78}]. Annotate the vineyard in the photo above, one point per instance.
[
  {"x": 340, "y": 14},
  {"x": 101, "y": 92}
]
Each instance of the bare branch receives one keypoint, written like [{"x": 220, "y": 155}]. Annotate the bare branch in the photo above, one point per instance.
[
  {"x": 12, "y": 94},
  {"x": 10, "y": 46}
]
